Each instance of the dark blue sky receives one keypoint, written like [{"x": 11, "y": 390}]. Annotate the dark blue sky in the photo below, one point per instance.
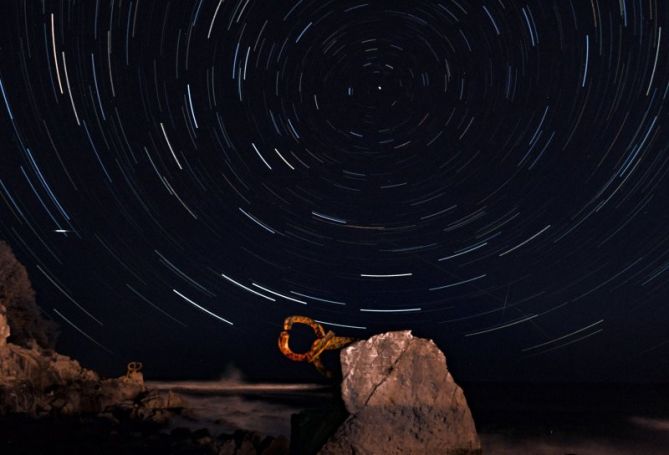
[{"x": 179, "y": 176}]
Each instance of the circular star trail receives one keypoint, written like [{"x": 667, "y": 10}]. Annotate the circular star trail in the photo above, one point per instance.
[{"x": 182, "y": 175}]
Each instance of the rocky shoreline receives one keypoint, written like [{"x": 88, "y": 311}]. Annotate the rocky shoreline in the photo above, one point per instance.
[{"x": 50, "y": 404}]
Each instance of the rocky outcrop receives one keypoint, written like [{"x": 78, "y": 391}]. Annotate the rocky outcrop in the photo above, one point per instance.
[
  {"x": 38, "y": 381},
  {"x": 40, "y": 367},
  {"x": 402, "y": 400}
]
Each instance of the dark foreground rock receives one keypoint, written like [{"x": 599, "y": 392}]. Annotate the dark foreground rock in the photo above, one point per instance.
[
  {"x": 402, "y": 400},
  {"x": 22, "y": 434}
]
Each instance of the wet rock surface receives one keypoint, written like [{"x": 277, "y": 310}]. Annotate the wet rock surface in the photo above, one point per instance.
[{"x": 402, "y": 400}]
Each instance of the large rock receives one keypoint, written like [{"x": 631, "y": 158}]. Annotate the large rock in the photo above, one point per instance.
[{"x": 402, "y": 400}]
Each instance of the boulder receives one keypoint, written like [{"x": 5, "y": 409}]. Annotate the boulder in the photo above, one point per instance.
[{"x": 402, "y": 400}]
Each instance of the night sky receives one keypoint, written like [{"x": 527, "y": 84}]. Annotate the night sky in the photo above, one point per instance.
[{"x": 179, "y": 176}]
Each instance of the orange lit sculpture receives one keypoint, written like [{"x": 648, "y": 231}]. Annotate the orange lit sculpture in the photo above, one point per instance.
[
  {"x": 325, "y": 341},
  {"x": 134, "y": 373}
]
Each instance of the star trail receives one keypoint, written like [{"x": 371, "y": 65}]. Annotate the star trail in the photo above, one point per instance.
[{"x": 185, "y": 174}]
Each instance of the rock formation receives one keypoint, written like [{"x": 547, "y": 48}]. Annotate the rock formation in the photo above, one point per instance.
[
  {"x": 39, "y": 381},
  {"x": 402, "y": 400}
]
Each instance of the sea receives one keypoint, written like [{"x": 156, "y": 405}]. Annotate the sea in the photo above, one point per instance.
[{"x": 513, "y": 419}]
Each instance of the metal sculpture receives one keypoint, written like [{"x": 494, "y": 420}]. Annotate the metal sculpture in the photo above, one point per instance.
[
  {"x": 325, "y": 341},
  {"x": 134, "y": 373}
]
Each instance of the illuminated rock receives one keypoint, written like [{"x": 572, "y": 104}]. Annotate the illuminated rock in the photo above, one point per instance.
[{"x": 402, "y": 400}]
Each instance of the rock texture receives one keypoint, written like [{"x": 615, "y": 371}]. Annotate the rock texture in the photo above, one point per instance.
[
  {"x": 4, "y": 327},
  {"x": 29, "y": 325},
  {"x": 402, "y": 400}
]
